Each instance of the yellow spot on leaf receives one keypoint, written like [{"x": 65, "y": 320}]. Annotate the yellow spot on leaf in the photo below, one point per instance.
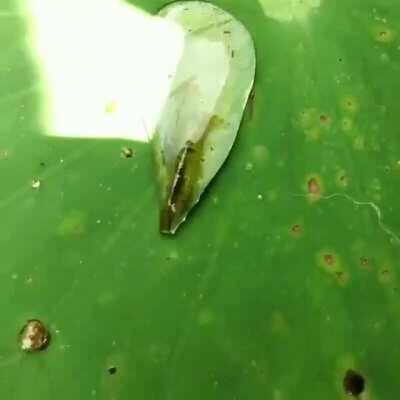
[
  {"x": 384, "y": 34},
  {"x": 347, "y": 124},
  {"x": 350, "y": 103}
]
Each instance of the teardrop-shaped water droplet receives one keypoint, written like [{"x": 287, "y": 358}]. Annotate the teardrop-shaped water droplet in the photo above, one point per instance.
[{"x": 203, "y": 111}]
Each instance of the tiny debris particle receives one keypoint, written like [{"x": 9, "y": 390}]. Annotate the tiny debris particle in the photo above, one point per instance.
[
  {"x": 127, "y": 152},
  {"x": 353, "y": 383},
  {"x": 34, "y": 336},
  {"x": 36, "y": 183}
]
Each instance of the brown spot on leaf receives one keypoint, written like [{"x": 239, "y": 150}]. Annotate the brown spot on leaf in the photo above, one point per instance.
[
  {"x": 34, "y": 336},
  {"x": 350, "y": 103},
  {"x": 324, "y": 119},
  {"x": 296, "y": 229},
  {"x": 384, "y": 34},
  {"x": 385, "y": 275},
  {"x": 343, "y": 180},
  {"x": 364, "y": 261},
  {"x": 314, "y": 186},
  {"x": 342, "y": 277},
  {"x": 329, "y": 259}
]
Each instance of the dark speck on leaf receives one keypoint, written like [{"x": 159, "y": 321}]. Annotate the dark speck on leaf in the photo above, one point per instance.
[
  {"x": 353, "y": 383},
  {"x": 127, "y": 152},
  {"x": 112, "y": 370}
]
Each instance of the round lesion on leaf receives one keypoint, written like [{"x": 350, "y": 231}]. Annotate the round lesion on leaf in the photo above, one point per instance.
[
  {"x": 384, "y": 34},
  {"x": 297, "y": 230},
  {"x": 314, "y": 187},
  {"x": 364, "y": 261},
  {"x": 385, "y": 274},
  {"x": 342, "y": 179},
  {"x": 325, "y": 119},
  {"x": 330, "y": 262},
  {"x": 342, "y": 277},
  {"x": 350, "y": 104},
  {"x": 347, "y": 124}
]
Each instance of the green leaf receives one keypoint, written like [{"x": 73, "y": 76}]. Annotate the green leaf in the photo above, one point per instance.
[
  {"x": 203, "y": 111},
  {"x": 284, "y": 285}
]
